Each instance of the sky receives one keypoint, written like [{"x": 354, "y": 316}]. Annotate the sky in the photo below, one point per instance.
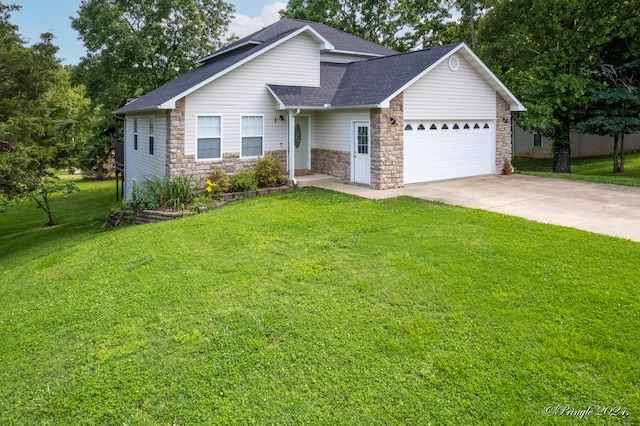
[{"x": 41, "y": 16}]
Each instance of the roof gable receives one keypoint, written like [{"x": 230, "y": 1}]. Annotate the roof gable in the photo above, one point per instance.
[
  {"x": 375, "y": 82},
  {"x": 165, "y": 96}
]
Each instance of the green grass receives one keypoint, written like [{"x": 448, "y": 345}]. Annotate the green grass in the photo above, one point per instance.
[
  {"x": 314, "y": 307},
  {"x": 594, "y": 169}
]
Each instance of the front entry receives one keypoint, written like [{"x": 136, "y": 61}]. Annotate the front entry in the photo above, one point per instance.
[
  {"x": 361, "y": 153},
  {"x": 301, "y": 143}
]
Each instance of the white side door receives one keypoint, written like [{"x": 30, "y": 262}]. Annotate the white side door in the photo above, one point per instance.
[{"x": 361, "y": 153}]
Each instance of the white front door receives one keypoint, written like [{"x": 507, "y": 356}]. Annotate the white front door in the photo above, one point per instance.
[
  {"x": 301, "y": 143},
  {"x": 361, "y": 153}
]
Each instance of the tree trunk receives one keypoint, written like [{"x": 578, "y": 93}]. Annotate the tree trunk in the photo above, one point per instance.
[
  {"x": 562, "y": 158},
  {"x": 473, "y": 30},
  {"x": 616, "y": 168},
  {"x": 622, "y": 153}
]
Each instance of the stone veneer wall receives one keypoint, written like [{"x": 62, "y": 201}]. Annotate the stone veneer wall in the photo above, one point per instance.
[
  {"x": 180, "y": 164},
  {"x": 332, "y": 163},
  {"x": 503, "y": 133},
  {"x": 387, "y": 145}
]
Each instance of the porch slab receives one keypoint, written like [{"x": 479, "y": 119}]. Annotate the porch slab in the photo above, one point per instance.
[{"x": 315, "y": 179}]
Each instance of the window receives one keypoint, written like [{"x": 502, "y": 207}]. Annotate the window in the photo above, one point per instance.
[
  {"x": 135, "y": 134},
  {"x": 456, "y": 127},
  {"x": 445, "y": 127},
  {"x": 363, "y": 139},
  {"x": 466, "y": 126},
  {"x": 433, "y": 127},
  {"x": 486, "y": 125},
  {"x": 252, "y": 135},
  {"x": 421, "y": 127},
  {"x": 476, "y": 126},
  {"x": 408, "y": 127},
  {"x": 208, "y": 136},
  {"x": 152, "y": 134},
  {"x": 537, "y": 140}
]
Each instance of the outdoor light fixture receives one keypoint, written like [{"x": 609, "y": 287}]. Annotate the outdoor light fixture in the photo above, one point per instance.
[
  {"x": 393, "y": 121},
  {"x": 275, "y": 120}
]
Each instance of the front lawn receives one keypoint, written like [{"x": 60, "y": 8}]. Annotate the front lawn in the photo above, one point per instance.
[
  {"x": 594, "y": 169},
  {"x": 314, "y": 307}
]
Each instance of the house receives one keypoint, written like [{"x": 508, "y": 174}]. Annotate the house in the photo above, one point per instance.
[
  {"x": 327, "y": 102},
  {"x": 530, "y": 144}
]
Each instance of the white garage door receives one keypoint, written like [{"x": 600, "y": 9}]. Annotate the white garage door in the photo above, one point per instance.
[{"x": 437, "y": 150}]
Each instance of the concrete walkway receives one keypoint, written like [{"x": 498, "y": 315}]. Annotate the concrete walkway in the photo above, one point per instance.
[{"x": 605, "y": 209}]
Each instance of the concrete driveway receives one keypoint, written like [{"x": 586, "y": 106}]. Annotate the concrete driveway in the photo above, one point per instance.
[{"x": 605, "y": 209}]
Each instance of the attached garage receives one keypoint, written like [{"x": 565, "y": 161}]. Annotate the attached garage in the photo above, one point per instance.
[{"x": 438, "y": 150}]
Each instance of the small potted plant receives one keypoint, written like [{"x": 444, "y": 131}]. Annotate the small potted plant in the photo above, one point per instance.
[{"x": 508, "y": 168}]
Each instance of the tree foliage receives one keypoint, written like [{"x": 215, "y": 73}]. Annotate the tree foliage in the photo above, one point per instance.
[
  {"x": 550, "y": 52},
  {"x": 399, "y": 24},
  {"x": 133, "y": 47},
  {"x": 41, "y": 115},
  {"x": 615, "y": 112}
]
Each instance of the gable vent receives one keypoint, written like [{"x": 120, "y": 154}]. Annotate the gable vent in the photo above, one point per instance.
[{"x": 454, "y": 63}]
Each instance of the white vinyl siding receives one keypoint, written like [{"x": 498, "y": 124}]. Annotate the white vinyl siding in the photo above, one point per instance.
[
  {"x": 333, "y": 129},
  {"x": 244, "y": 90},
  {"x": 443, "y": 94},
  {"x": 252, "y": 135},
  {"x": 209, "y": 137},
  {"x": 139, "y": 164}
]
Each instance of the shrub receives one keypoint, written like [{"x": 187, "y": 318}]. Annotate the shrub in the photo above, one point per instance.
[
  {"x": 170, "y": 194},
  {"x": 269, "y": 172},
  {"x": 146, "y": 201},
  {"x": 243, "y": 181},
  {"x": 220, "y": 179}
]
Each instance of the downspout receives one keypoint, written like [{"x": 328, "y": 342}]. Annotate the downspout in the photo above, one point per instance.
[{"x": 292, "y": 131}]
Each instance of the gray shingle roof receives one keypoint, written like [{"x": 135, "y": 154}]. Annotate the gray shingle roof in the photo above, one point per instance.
[
  {"x": 225, "y": 58},
  {"x": 363, "y": 83},
  {"x": 303, "y": 96},
  {"x": 341, "y": 41}
]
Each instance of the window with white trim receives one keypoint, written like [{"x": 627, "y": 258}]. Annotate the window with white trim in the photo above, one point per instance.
[
  {"x": 152, "y": 134},
  {"x": 252, "y": 135},
  {"x": 135, "y": 134},
  {"x": 208, "y": 137}
]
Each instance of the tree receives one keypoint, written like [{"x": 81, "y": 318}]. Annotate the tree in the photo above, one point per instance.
[
  {"x": 40, "y": 113},
  {"x": 614, "y": 110},
  {"x": 399, "y": 24},
  {"x": 135, "y": 46},
  {"x": 550, "y": 52}
]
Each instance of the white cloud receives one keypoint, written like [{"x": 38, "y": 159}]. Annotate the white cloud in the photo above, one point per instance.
[{"x": 242, "y": 25}]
